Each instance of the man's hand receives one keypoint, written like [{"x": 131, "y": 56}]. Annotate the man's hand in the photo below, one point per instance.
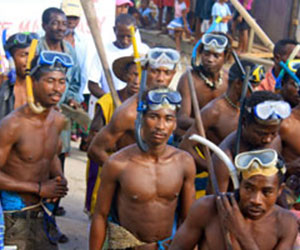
[
  {"x": 72, "y": 103},
  {"x": 230, "y": 215},
  {"x": 54, "y": 188}
]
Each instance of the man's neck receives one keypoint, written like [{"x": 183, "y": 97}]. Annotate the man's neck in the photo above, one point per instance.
[
  {"x": 21, "y": 81},
  {"x": 234, "y": 95},
  {"x": 155, "y": 152},
  {"x": 123, "y": 94},
  {"x": 54, "y": 45},
  {"x": 211, "y": 75}
]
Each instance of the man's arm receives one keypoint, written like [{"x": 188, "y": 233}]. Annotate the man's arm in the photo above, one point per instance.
[
  {"x": 190, "y": 232},
  {"x": 184, "y": 120},
  {"x": 289, "y": 228},
  {"x": 221, "y": 171},
  {"x": 95, "y": 89},
  {"x": 109, "y": 178},
  {"x": 106, "y": 139},
  {"x": 187, "y": 196}
]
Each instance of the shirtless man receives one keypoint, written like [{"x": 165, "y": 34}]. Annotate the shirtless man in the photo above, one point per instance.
[
  {"x": 120, "y": 130},
  {"x": 30, "y": 170},
  {"x": 257, "y": 132},
  {"x": 289, "y": 129},
  {"x": 253, "y": 221},
  {"x": 220, "y": 116},
  {"x": 13, "y": 94},
  {"x": 126, "y": 70},
  {"x": 209, "y": 78},
  {"x": 144, "y": 189}
]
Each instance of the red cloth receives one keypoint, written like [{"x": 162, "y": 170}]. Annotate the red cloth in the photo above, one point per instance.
[
  {"x": 268, "y": 83},
  {"x": 162, "y": 3}
]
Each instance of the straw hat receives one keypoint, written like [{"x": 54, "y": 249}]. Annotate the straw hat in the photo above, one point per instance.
[
  {"x": 71, "y": 7},
  {"x": 119, "y": 66}
]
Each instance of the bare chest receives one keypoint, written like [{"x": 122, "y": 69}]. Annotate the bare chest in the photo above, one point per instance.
[
  {"x": 214, "y": 239},
  {"x": 144, "y": 182},
  {"x": 37, "y": 143}
]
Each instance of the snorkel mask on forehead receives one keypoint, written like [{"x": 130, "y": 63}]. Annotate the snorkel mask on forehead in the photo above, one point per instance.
[
  {"x": 271, "y": 111},
  {"x": 162, "y": 57},
  {"x": 214, "y": 42},
  {"x": 53, "y": 61},
  {"x": 24, "y": 38},
  {"x": 260, "y": 162},
  {"x": 162, "y": 98}
]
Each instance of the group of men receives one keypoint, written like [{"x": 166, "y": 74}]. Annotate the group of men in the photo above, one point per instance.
[{"x": 143, "y": 171}]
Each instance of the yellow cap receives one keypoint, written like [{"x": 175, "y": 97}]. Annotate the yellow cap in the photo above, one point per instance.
[
  {"x": 71, "y": 7},
  {"x": 257, "y": 169}
]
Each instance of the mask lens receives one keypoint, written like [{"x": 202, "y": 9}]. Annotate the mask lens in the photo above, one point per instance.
[
  {"x": 155, "y": 54},
  {"x": 263, "y": 111},
  {"x": 21, "y": 38},
  {"x": 283, "y": 110}
]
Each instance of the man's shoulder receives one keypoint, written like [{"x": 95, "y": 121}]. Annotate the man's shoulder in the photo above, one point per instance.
[
  {"x": 127, "y": 111},
  {"x": 123, "y": 155},
  {"x": 284, "y": 216},
  {"x": 13, "y": 120},
  {"x": 204, "y": 209}
]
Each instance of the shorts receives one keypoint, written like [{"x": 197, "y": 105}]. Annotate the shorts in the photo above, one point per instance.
[
  {"x": 242, "y": 25},
  {"x": 26, "y": 231},
  {"x": 162, "y": 3}
]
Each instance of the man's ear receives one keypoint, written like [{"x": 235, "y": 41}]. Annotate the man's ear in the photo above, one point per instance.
[{"x": 44, "y": 26}]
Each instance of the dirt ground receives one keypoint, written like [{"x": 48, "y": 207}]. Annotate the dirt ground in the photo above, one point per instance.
[{"x": 75, "y": 222}]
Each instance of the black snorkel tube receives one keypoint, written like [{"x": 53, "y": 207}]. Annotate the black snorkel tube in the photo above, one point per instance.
[
  {"x": 12, "y": 67},
  {"x": 140, "y": 111}
]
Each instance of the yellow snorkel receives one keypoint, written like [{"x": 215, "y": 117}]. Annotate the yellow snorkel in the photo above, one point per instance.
[
  {"x": 30, "y": 97},
  {"x": 135, "y": 51}
]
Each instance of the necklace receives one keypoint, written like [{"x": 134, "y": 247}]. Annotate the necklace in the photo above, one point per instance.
[
  {"x": 211, "y": 84},
  {"x": 228, "y": 100}
]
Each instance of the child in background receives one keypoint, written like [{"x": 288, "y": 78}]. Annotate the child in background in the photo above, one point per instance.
[
  {"x": 146, "y": 14},
  {"x": 206, "y": 14},
  {"x": 220, "y": 8},
  {"x": 179, "y": 24}
]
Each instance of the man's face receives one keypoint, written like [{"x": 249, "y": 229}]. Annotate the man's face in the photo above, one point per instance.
[
  {"x": 258, "y": 135},
  {"x": 20, "y": 58},
  {"x": 73, "y": 21},
  {"x": 158, "y": 125},
  {"x": 123, "y": 36},
  {"x": 212, "y": 61},
  {"x": 132, "y": 79},
  {"x": 57, "y": 27},
  {"x": 289, "y": 92},
  {"x": 49, "y": 88},
  {"x": 161, "y": 76},
  {"x": 258, "y": 195},
  {"x": 122, "y": 9},
  {"x": 284, "y": 57}
]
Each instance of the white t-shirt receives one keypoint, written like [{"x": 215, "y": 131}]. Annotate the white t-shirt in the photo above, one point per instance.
[
  {"x": 96, "y": 74},
  {"x": 221, "y": 10}
]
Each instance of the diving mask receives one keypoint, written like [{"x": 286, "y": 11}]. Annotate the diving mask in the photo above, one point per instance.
[
  {"x": 214, "y": 42},
  {"x": 24, "y": 38},
  {"x": 58, "y": 60},
  {"x": 163, "y": 98},
  {"x": 162, "y": 57},
  {"x": 259, "y": 162}
]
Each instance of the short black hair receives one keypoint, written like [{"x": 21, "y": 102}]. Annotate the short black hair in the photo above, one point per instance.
[
  {"x": 47, "y": 14},
  {"x": 280, "y": 49},
  {"x": 228, "y": 49},
  {"x": 125, "y": 19},
  {"x": 256, "y": 98},
  {"x": 235, "y": 72}
]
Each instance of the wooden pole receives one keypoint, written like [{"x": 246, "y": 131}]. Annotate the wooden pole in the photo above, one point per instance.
[
  {"x": 253, "y": 24},
  {"x": 91, "y": 17}
]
